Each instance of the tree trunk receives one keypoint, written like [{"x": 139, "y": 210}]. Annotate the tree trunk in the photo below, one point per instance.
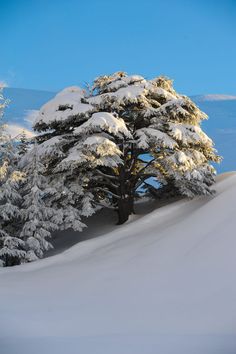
[
  {"x": 125, "y": 204},
  {"x": 125, "y": 209}
]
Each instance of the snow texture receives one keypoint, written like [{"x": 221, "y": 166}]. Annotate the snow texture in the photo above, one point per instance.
[
  {"x": 64, "y": 105},
  {"x": 98, "y": 150},
  {"x": 162, "y": 283},
  {"x": 104, "y": 121}
]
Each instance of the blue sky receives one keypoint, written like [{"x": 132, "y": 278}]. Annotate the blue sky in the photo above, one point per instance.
[{"x": 50, "y": 44}]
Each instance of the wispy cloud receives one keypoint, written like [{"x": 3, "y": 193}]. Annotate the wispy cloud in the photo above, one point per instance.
[
  {"x": 14, "y": 130},
  {"x": 227, "y": 130},
  {"x": 30, "y": 116},
  {"x": 3, "y": 84}
]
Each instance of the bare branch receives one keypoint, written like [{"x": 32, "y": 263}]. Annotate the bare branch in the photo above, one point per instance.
[
  {"x": 148, "y": 164},
  {"x": 142, "y": 180},
  {"x": 105, "y": 205},
  {"x": 106, "y": 175},
  {"x": 107, "y": 191},
  {"x": 109, "y": 183}
]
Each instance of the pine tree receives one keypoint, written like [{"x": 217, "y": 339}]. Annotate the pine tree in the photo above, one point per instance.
[
  {"x": 69, "y": 191},
  {"x": 11, "y": 246},
  {"x": 38, "y": 218},
  {"x": 127, "y": 131},
  {"x": 23, "y": 143}
]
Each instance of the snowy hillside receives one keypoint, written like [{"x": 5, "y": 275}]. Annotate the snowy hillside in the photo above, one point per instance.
[
  {"x": 162, "y": 283},
  {"x": 221, "y": 126}
]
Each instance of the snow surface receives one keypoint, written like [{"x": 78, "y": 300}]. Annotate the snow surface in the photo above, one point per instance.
[
  {"x": 103, "y": 121},
  {"x": 70, "y": 100},
  {"x": 105, "y": 148},
  {"x": 163, "y": 283}
]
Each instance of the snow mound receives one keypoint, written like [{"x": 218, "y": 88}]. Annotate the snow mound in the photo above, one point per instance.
[{"x": 163, "y": 283}]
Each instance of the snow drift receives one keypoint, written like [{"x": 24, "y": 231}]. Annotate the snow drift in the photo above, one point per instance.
[{"x": 162, "y": 283}]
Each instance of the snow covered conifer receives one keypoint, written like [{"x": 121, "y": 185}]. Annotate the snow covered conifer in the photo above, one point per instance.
[
  {"x": 38, "y": 218},
  {"x": 23, "y": 143},
  {"x": 70, "y": 193},
  {"x": 127, "y": 131},
  {"x": 11, "y": 246}
]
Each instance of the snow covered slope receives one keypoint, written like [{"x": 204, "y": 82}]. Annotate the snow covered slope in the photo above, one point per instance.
[{"x": 163, "y": 283}]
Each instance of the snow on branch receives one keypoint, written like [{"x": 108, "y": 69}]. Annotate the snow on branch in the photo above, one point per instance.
[
  {"x": 66, "y": 104},
  {"x": 103, "y": 121}
]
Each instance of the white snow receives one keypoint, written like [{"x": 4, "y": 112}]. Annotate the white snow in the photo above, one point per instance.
[
  {"x": 147, "y": 136},
  {"x": 130, "y": 93},
  {"x": 64, "y": 105},
  {"x": 104, "y": 121},
  {"x": 164, "y": 283},
  {"x": 188, "y": 133},
  {"x": 50, "y": 147},
  {"x": 125, "y": 81},
  {"x": 106, "y": 151}
]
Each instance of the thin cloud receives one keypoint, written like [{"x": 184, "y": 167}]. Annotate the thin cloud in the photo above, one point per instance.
[
  {"x": 30, "y": 116},
  {"x": 15, "y": 130},
  {"x": 227, "y": 130},
  {"x": 3, "y": 84}
]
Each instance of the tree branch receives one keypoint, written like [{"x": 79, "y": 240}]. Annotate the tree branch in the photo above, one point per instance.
[
  {"x": 105, "y": 205},
  {"x": 106, "y": 175},
  {"x": 107, "y": 191},
  {"x": 148, "y": 164},
  {"x": 109, "y": 183},
  {"x": 141, "y": 180}
]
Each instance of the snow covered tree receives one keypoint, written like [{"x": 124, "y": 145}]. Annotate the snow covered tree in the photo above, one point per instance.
[
  {"x": 11, "y": 246},
  {"x": 127, "y": 131},
  {"x": 69, "y": 192},
  {"x": 49, "y": 204},
  {"x": 39, "y": 220},
  {"x": 23, "y": 143}
]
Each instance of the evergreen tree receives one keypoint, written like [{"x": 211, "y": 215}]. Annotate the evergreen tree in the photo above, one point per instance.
[
  {"x": 127, "y": 131},
  {"x": 11, "y": 246},
  {"x": 48, "y": 204},
  {"x": 69, "y": 193},
  {"x": 38, "y": 218},
  {"x": 23, "y": 143}
]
